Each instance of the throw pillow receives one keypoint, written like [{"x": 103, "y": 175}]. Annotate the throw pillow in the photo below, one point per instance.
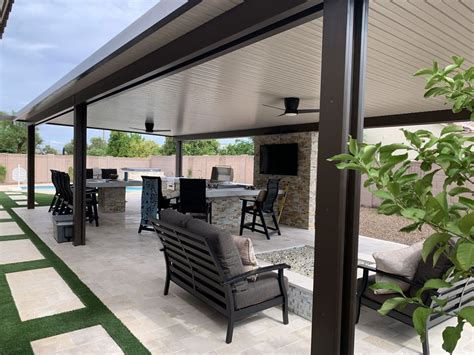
[
  {"x": 402, "y": 262},
  {"x": 247, "y": 254}
]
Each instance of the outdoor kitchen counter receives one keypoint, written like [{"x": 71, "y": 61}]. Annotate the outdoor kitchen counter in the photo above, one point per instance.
[
  {"x": 226, "y": 205},
  {"x": 111, "y": 193}
]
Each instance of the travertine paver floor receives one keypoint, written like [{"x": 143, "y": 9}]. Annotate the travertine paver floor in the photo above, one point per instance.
[
  {"x": 15, "y": 251},
  {"x": 9, "y": 228},
  {"x": 41, "y": 292},
  {"x": 5, "y": 215},
  {"x": 92, "y": 340},
  {"x": 127, "y": 272}
]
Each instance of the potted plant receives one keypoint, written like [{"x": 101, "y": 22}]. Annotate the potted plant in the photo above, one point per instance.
[{"x": 450, "y": 213}]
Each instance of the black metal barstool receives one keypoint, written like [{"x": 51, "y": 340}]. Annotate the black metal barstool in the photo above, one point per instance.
[
  {"x": 259, "y": 208},
  {"x": 192, "y": 199}
]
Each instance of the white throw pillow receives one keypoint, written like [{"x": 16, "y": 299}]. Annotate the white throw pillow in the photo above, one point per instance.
[{"x": 402, "y": 262}]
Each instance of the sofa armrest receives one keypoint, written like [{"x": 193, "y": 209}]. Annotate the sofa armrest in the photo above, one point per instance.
[
  {"x": 368, "y": 269},
  {"x": 260, "y": 270}
]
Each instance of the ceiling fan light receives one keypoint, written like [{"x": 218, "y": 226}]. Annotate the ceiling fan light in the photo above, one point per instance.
[{"x": 290, "y": 113}]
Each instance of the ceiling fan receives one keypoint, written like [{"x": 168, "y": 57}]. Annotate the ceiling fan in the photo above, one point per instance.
[
  {"x": 149, "y": 124},
  {"x": 291, "y": 107}
]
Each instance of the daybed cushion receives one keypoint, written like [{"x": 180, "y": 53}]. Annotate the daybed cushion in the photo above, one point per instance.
[
  {"x": 223, "y": 245},
  {"x": 264, "y": 289},
  {"x": 175, "y": 218},
  {"x": 402, "y": 262},
  {"x": 380, "y": 299}
]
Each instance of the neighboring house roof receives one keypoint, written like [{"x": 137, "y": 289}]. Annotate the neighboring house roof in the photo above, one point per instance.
[{"x": 5, "y": 8}]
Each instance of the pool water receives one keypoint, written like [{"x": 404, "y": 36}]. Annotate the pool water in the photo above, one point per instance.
[{"x": 51, "y": 188}]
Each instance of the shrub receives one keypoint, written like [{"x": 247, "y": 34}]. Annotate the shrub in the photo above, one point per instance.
[{"x": 3, "y": 174}]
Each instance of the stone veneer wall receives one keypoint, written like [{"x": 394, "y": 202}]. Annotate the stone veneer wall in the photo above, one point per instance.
[{"x": 300, "y": 206}]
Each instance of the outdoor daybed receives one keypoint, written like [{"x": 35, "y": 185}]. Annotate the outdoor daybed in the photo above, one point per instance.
[
  {"x": 460, "y": 294},
  {"x": 205, "y": 261}
]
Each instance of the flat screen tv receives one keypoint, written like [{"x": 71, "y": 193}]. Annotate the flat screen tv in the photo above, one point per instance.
[{"x": 279, "y": 159}]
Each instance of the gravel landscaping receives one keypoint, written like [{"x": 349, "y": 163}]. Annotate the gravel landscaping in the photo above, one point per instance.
[
  {"x": 301, "y": 259},
  {"x": 379, "y": 226}
]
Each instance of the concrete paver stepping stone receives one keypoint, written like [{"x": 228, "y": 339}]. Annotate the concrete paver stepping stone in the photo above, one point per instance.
[
  {"x": 9, "y": 228},
  {"x": 18, "y": 197},
  {"x": 23, "y": 203},
  {"x": 15, "y": 251},
  {"x": 92, "y": 340},
  {"x": 5, "y": 215},
  {"x": 14, "y": 193},
  {"x": 41, "y": 292}
]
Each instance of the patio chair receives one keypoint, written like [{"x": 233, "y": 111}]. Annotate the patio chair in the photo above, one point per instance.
[
  {"x": 56, "y": 201},
  {"x": 192, "y": 199},
  {"x": 89, "y": 173},
  {"x": 204, "y": 261},
  {"x": 259, "y": 207},
  {"x": 460, "y": 294},
  {"x": 153, "y": 201},
  {"x": 67, "y": 196}
]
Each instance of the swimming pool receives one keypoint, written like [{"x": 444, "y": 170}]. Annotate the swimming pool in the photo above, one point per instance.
[{"x": 51, "y": 188}]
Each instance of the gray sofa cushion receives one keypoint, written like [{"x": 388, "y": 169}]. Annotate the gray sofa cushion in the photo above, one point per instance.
[
  {"x": 175, "y": 218},
  {"x": 381, "y": 298},
  {"x": 265, "y": 288},
  {"x": 223, "y": 245}
]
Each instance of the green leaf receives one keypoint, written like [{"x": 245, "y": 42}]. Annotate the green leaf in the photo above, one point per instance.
[
  {"x": 442, "y": 199},
  {"x": 420, "y": 315},
  {"x": 451, "y": 335},
  {"x": 467, "y": 313},
  {"x": 436, "y": 284},
  {"x": 350, "y": 166},
  {"x": 342, "y": 157},
  {"x": 424, "y": 71},
  {"x": 390, "y": 304},
  {"x": 451, "y": 129},
  {"x": 465, "y": 255},
  {"x": 458, "y": 60},
  {"x": 466, "y": 223},
  {"x": 410, "y": 227},
  {"x": 353, "y": 146},
  {"x": 440, "y": 301},
  {"x": 383, "y": 195},
  {"x": 466, "y": 202},
  {"x": 432, "y": 241},
  {"x": 413, "y": 213},
  {"x": 458, "y": 190},
  {"x": 387, "y": 286},
  {"x": 368, "y": 153}
]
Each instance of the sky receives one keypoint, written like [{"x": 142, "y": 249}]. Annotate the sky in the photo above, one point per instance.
[{"x": 45, "y": 39}]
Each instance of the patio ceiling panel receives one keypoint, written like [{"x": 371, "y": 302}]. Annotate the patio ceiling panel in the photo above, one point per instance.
[{"x": 228, "y": 93}]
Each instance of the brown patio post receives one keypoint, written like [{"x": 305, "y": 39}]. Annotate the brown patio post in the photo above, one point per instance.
[
  {"x": 179, "y": 158},
  {"x": 79, "y": 171},
  {"x": 337, "y": 194},
  {"x": 31, "y": 167}
]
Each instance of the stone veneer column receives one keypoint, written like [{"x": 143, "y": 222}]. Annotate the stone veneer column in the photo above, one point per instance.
[{"x": 300, "y": 206}]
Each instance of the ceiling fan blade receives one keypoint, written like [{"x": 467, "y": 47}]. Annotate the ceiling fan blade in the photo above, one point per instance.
[
  {"x": 278, "y": 108},
  {"x": 138, "y": 129},
  {"x": 162, "y": 130},
  {"x": 315, "y": 110}
]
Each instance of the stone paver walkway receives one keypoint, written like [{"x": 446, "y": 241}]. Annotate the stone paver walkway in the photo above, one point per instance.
[{"x": 16, "y": 251}]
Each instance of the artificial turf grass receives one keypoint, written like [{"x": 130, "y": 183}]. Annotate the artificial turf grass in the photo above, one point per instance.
[{"x": 15, "y": 335}]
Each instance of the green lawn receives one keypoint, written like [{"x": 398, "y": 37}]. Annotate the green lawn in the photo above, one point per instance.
[{"x": 15, "y": 335}]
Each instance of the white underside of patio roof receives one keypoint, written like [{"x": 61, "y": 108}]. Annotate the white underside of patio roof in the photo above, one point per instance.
[{"x": 228, "y": 93}]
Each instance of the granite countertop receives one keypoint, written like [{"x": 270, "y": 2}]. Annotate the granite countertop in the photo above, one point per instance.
[{"x": 101, "y": 183}]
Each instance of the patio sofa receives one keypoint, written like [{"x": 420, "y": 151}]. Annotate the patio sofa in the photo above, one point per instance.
[
  {"x": 204, "y": 260},
  {"x": 460, "y": 294}
]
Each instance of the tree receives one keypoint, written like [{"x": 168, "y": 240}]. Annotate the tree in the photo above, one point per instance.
[
  {"x": 47, "y": 149},
  {"x": 119, "y": 144},
  {"x": 201, "y": 147},
  {"x": 98, "y": 147},
  {"x": 168, "y": 147},
  {"x": 450, "y": 213},
  {"x": 240, "y": 147},
  {"x": 14, "y": 137},
  {"x": 68, "y": 148},
  {"x": 141, "y": 147}
]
